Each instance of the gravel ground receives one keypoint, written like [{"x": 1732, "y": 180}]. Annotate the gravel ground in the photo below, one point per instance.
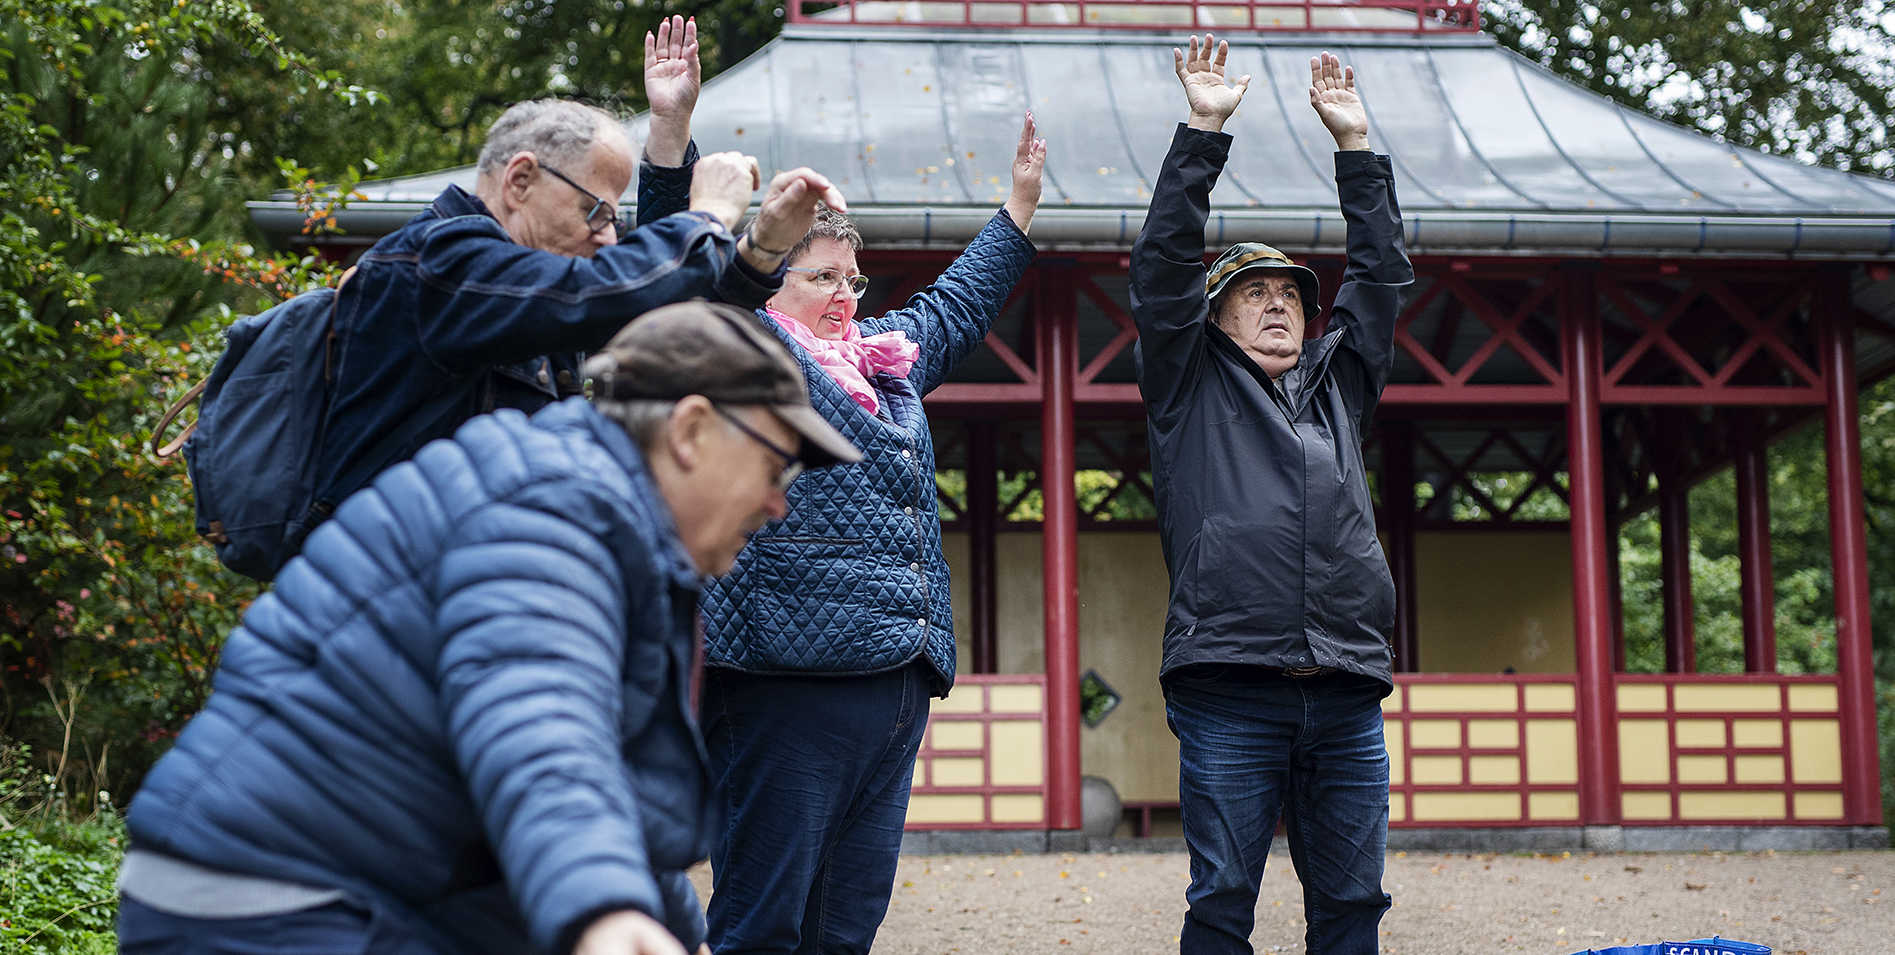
[{"x": 1813, "y": 903}]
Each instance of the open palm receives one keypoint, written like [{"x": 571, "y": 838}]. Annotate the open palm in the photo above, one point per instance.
[
  {"x": 1202, "y": 72},
  {"x": 1332, "y": 93},
  {"x": 672, "y": 73}
]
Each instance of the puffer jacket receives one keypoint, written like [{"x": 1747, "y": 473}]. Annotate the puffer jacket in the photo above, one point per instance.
[
  {"x": 854, "y": 581},
  {"x": 465, "y": 704}
]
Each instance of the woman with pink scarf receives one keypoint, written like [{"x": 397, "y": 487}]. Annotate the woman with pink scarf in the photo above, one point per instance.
[{"x": 826, "y": 642}]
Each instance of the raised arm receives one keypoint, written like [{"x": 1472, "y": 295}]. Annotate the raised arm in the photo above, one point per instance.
[
  {"x": 484, "y": 299},
  {"x": 1167, "y": 281},
  {"x": 1369, "y": 300},
  {"x": 951, "y": 317},
  {"x": 1029, "y": 168},
  {"x": 673, "y": 78}
]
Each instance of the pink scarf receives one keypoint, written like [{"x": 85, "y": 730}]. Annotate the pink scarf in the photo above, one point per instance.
[{"x": 851, "y": 359}]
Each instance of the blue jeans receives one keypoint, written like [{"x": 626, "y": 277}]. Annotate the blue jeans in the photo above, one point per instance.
[
  {"x": 1254, "y": 745},
  {"x": 814, "y": 773}
]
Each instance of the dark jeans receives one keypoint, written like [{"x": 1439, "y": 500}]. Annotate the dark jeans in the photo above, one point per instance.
[
  {"x": 332, "y": 929},
  {"x": 815, "y": 774},
  {"x": 1254, "y": 744}
]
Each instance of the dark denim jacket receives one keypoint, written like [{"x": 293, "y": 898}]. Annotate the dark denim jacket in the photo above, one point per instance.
[{"x": 448, "y": 317}]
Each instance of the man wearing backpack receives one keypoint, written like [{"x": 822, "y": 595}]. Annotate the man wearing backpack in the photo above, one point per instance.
[
  {"x": 486, "y": 299},
  {"x": 463, "y": 720}
]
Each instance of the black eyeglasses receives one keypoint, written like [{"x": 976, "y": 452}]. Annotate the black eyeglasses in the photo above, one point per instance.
[
  {"x": 792, "y": 465},
  {"x": 601, "y": 215}
]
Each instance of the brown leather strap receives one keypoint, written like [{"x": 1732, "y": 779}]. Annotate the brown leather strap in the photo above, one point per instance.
[{"x": 171, "y": 414}]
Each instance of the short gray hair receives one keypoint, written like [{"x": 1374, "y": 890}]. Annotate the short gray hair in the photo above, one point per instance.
[
  {"x": 643, "y": 419},
  {"x": 557, "y": 131},
  {"x": 829, "y": 224}
]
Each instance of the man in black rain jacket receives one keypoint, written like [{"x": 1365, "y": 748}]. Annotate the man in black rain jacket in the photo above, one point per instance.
[{"x": 1276, "y": 652}]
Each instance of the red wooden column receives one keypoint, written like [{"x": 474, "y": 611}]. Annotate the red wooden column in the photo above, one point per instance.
[
  {"x": 1674, "y": 547},
  {"x": 1398, "y": 511},
  {"x": 1855, "y": 681},
  {"x": 1757, "y": 576},
  {"x": 983, "y": 524},
  {"x": 1058, "y": 339},
  {"x": 1592, "y": 585}
]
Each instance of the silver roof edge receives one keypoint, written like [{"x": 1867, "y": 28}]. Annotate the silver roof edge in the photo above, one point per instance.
[{"x": 1312, "y": 230}]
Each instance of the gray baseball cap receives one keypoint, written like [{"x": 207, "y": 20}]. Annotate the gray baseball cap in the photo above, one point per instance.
[{"x": 723, "y": 353}]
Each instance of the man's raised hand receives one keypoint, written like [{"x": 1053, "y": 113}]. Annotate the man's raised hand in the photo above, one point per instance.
[
  {"x": 788, "y": 210},
  {"x": 1202, "y": 73},
  {"x": 1332, "y": 93},
  {"x": 721, "y": 185},
  {"x": 673, "y": 77}
]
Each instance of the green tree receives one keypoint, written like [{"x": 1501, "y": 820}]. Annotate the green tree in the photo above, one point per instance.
[
  {"x": 121, "y": 256},
  {"x": 447, "y": 68},
  {"x": 1801, "y": 78}
]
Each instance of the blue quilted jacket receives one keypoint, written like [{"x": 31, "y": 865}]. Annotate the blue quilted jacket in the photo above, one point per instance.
[
  {"x": 464, "y": 704},
  {"x": 854, "y": 581}
]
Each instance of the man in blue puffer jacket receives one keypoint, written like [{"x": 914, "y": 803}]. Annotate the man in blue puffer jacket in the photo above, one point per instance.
[
  {"x": 462, "y": 720},
  {"x": 826, "y": 642}
]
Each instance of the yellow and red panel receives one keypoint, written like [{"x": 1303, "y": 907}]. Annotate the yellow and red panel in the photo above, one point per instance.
[
  {"x": 1722, "y": 750},
  {"x": 982, "y": 764},
  {"x": 1482, "y": 750}
]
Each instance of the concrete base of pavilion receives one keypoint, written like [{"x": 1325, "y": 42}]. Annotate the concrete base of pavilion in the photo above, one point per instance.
[{"x": 1530, "y": 839}]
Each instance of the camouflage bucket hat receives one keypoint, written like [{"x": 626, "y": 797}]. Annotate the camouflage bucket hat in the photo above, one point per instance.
[{"x": 1254, "y": 256}]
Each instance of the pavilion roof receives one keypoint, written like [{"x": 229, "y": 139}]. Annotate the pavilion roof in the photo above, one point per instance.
[{"x": 1492, "y": 152}]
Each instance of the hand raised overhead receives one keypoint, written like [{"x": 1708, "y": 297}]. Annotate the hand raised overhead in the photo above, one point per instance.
[
  {"x": 672, "y": 81},
  {"x": 1029, "y": 168},
  {"x": 721, "y": 185},
  {"x": 1332, "y": 93},
  {"x": 788, "y": 210},
  {"x": 1202, "y": 73}
]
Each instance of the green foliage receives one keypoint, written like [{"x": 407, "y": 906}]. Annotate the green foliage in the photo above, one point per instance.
[
  {"x": 122, "y": 255},
  {"x": 1799, "y": 539},
  {"x": 1105, "y": 495},
  {"x": 447, "y": 68},
  {"x": 1793, "y": 77},
  {"x": 56, "y": 875}
]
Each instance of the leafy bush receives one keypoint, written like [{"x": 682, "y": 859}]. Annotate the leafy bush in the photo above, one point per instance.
[{"x": 56, "y": 887}]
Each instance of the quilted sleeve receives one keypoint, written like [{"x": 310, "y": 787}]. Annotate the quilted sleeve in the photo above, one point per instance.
[
  {"x": 950, "y": 317},
  {"x": 664, "y": 190},
  {"x": 531, "y": 618}
]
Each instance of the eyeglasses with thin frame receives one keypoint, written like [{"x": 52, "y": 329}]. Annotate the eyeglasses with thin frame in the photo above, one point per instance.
[
  {"x": 829, "y": 280},
  {"x": 792, "y": 465},
  {"x": 603, "y": 212}
]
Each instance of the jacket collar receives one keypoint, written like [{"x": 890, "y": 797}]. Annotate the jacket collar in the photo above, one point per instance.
[
  {"x": 454, "y": 202},
  {"x": 660, "y": 529}
]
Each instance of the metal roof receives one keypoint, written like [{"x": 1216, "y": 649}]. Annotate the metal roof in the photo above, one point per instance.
[{"x": 1492, "y": 152}]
